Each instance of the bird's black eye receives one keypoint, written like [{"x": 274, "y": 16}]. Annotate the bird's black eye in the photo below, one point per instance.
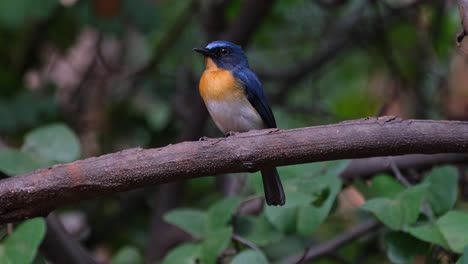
[{"x": 224, "y": 51}]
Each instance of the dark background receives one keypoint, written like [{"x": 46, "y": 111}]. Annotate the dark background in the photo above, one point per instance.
[{"x": 121, "y": 74}]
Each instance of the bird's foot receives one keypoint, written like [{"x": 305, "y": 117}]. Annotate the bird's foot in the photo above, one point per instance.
[
  {"x": 230, "y": 133},
  {"x": 203, "y": 138}
]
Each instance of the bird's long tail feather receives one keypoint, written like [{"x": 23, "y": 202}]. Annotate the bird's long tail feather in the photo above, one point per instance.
[{"x": 274, "y": 193}]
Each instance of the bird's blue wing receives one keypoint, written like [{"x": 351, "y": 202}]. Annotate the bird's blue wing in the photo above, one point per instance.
[{"x": 255, "y": 95}]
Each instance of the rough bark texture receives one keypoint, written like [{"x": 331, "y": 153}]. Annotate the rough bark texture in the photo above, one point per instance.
[{"x": 41, "y": 191}]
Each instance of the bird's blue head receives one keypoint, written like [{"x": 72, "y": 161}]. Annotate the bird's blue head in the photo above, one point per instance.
[{"x": 224, "y": 54}]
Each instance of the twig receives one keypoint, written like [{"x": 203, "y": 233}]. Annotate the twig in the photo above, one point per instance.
[
  {"x": 246, "y": 242},
  {"x": 425, "y": 208},
  {"x": 9, "y": 228},
  {"x": 101, "y": 58},
  {"x": 61, "y": 247},
  {"x": 398, "y": 174},
  {"x": 333, "y": 244},
  {"x": 365, "y": 168}
]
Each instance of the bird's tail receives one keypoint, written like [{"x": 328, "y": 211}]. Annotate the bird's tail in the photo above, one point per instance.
[{"x": 274, "y": 193}]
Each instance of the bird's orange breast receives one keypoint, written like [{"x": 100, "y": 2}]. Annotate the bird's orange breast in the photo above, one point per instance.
[
  {"x": 219, "y": 84},
  {"x": 226, "y": 100}
]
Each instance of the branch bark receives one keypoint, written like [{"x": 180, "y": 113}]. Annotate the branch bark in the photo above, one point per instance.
[{"x": 39, "y": 192}]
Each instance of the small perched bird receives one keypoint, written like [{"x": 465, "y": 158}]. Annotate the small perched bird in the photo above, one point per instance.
[{"x": 235, "y": 100}]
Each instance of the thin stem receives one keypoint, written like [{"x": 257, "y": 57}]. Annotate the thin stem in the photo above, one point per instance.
[
  {"x": 333, "y": 244},
  {"x": 246, "y": 242}
]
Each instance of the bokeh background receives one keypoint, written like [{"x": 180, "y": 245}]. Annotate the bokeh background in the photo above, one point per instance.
[{"x": 116, "y": 74}]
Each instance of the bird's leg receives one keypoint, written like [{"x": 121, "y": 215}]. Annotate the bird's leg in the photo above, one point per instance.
[
  {"x": 230, "y": 133},
  {"x": 203, "y": 138}
]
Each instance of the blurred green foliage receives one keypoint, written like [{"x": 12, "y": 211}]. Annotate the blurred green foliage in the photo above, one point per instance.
[
  {"x": 398, "y": 212},
  {"x": 398, "y": 48},
  {"x": 403, "y": 248},
  {"x": 464, "y": 258},
  {"x": 42, "y": 147},
  {"x": 14, "y": 14},
  {"x": 22, "y": 245},
  {"x": 127, "y": 255}
]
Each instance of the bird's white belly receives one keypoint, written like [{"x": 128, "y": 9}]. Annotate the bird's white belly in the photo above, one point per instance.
[{"x": 234, "y": 116}]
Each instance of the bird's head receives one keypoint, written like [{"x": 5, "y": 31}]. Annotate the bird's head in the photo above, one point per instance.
[{"x": 224, "y": 54}]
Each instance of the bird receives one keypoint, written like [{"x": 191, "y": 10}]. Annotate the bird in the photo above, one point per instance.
[{"x": 234, "y": 97}]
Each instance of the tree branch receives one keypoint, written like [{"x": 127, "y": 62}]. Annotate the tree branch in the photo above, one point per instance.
[
  {"x": 332, "y": 245},
  {"x": 365, "y": 168},
  {"x": 39, "y": 192},
  {"x": 61, "y": 247}
]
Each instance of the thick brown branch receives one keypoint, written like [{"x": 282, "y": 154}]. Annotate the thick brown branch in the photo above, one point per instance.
[{"x": 39, "y": 192}]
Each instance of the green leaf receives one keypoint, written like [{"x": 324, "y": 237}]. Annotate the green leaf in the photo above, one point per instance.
[
  {"x": 215, "y": 243},
  {"x": 398, "y": 212},
  {"x": 13, "y": 162},
  {"x": 21, "y": 246},
  {"x": 127, "y": 255},
  {"x": 250, "y": 257},
  {"x": 52, "y": 143},
  {"x": 220, "y": 213},
  {"x": 311, "y": 216},
  {"x": 402, "y": 248},
  {"x": 464, "y": 258},
  {"x": 443, "y": 187},
  {"x": 257, "y": 229},
  {"x": 382, "y": 185},
  {"x": 308, "y": 219},
  {"x": 449, "y": 231},
  {"x": 310, "y": 199},
  {"x": 429, "y": 233},
  {"x": 190, "y": 220},
  {"x": 284, "y": 218},
  {"x": 184, "y": 254},
  {"x": 454, "y": 228},
  {"x": 287, "y": 246}
]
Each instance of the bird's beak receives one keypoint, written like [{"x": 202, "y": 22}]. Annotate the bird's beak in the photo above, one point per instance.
[{"x": 205, "y": 52}]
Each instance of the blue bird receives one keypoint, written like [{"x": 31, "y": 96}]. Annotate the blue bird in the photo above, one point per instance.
[{"x": 235, "y": 100}]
